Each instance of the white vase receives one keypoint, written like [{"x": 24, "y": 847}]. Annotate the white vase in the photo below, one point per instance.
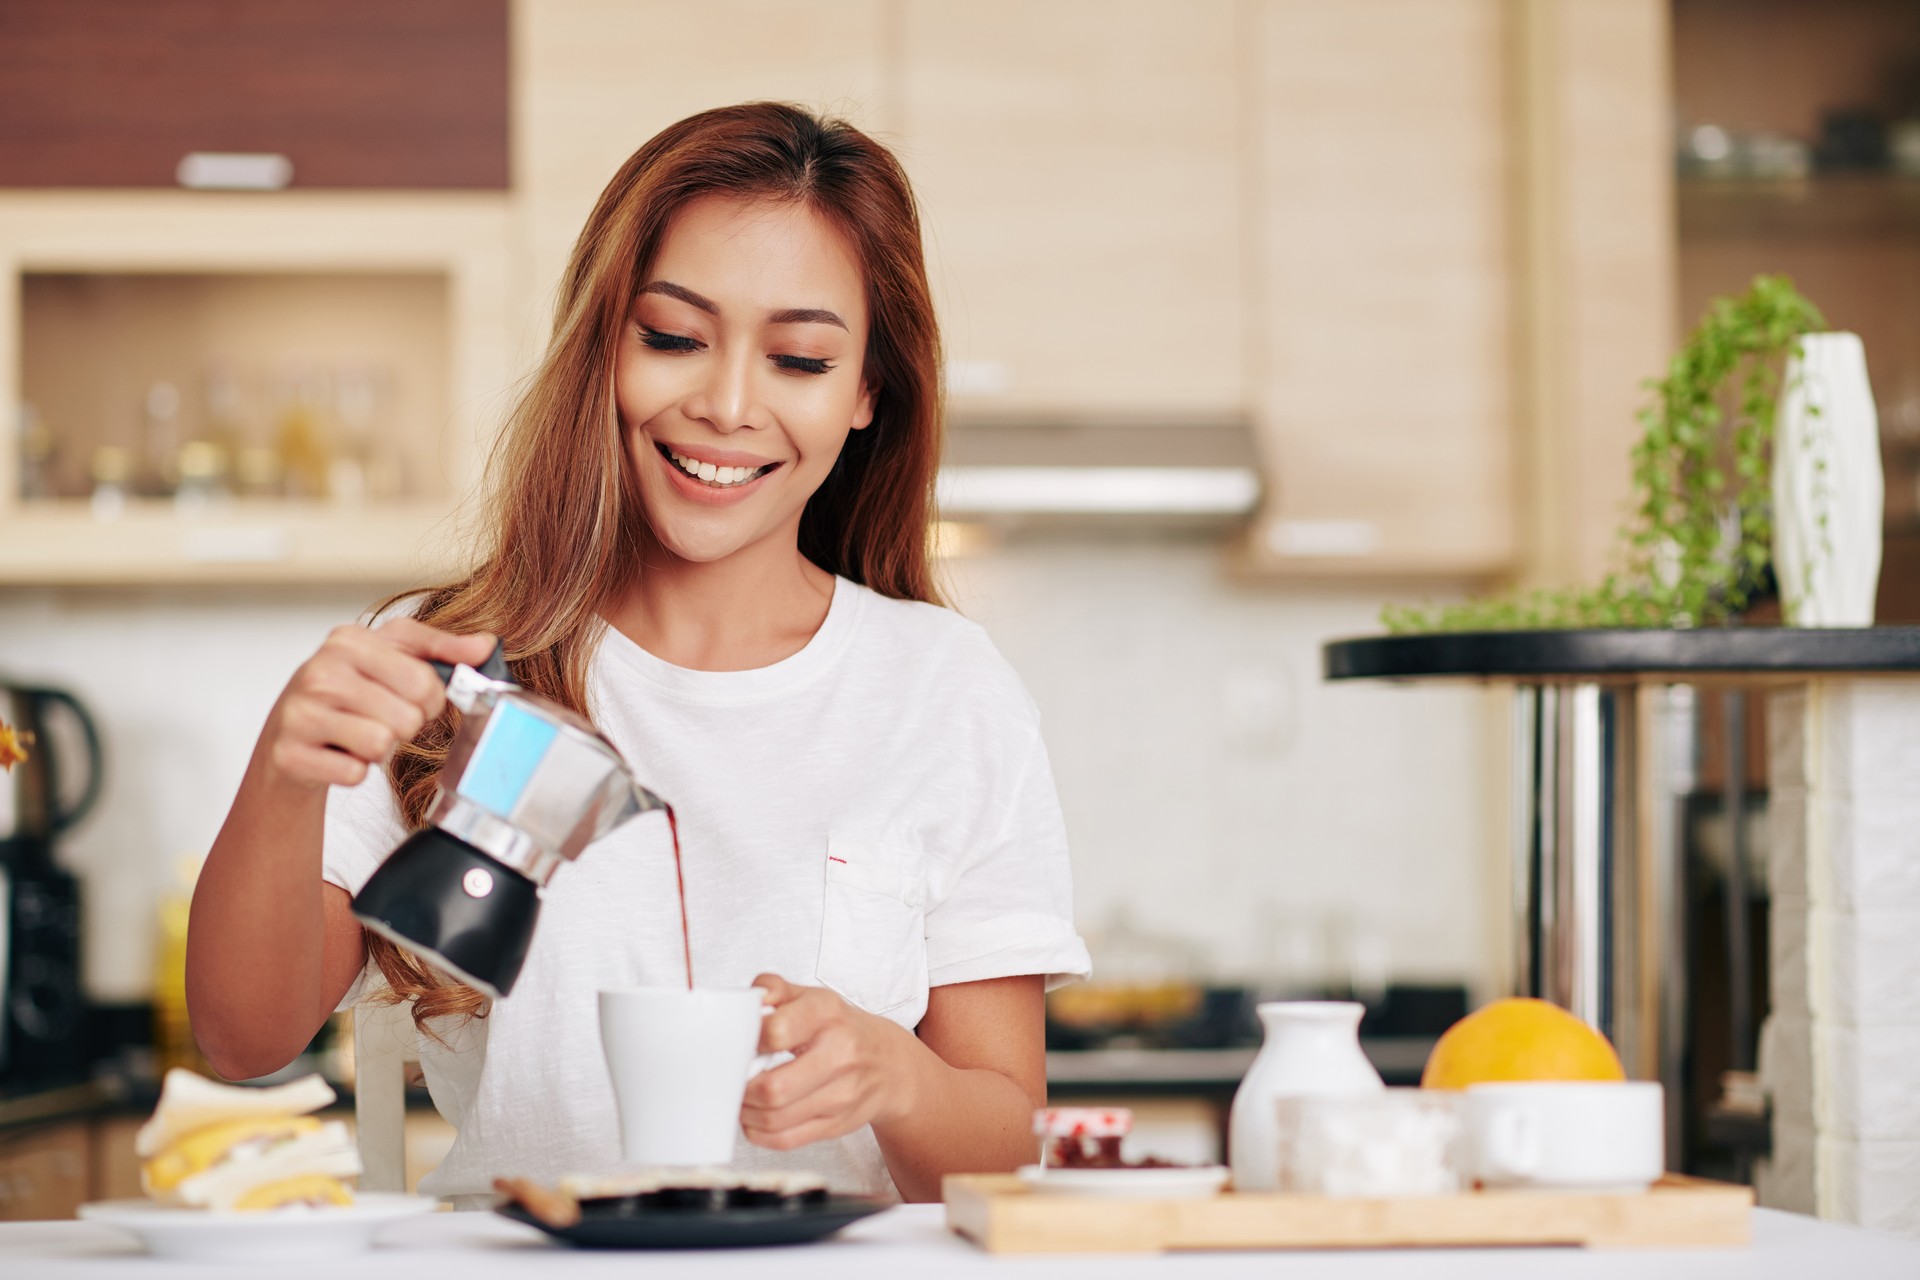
[
  {"x": 1311, "y": 1047},
  {"x": 1828, "y": 490}
]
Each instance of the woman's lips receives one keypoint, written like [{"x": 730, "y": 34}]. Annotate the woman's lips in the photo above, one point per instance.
[{"x": 709, "y": 494}]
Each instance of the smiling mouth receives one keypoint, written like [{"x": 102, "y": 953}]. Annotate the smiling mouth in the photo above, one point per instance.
[{"x": 710, "y": 475}]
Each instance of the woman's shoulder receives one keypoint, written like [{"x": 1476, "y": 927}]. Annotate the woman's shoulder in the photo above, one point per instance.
[
  {"x": 934, "y": 630},
  {"x": 928, "y": 644}
]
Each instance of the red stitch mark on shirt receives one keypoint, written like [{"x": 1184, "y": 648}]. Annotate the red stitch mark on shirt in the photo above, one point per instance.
[{"x": 841, "y": 861}]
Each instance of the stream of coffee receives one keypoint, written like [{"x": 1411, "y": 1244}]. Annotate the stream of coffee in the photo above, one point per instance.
[{"x": 680, "y": 883}]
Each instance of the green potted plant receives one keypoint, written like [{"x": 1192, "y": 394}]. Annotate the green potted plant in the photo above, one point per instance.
[{"x": 1700, "y": 543}]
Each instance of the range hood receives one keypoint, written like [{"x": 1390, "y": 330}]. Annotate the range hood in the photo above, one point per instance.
[{"x": 1103, "y": 471}]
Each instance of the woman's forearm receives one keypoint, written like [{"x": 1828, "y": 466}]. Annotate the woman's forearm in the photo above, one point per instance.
[
  {"x": 270, "y": 947},
  {"x": 949, "y": 1119},
  {"x": 256, "y": 934}
]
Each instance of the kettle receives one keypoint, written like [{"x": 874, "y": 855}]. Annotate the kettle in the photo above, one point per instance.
[
  {"x": 43, "y": 1022},
  {"x": 526, "y": 786},
  {"x": 36, "y": 804}
]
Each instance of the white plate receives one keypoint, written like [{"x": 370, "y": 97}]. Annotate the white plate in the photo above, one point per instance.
[
  {"x": 1130, "y": 1184},
  {"x": 204, "y": 1235}
]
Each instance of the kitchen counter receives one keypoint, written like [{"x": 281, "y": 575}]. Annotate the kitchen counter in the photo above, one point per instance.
[{"x": 913, "y": 1240}]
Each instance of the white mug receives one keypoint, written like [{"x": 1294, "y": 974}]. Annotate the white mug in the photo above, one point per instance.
[
  {"x": 1586, "y": 1135},
  {"x": 680, "y": 1062}
]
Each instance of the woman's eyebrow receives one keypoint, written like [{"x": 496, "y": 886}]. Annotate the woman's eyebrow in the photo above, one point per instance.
[
  {"x": 806, "y": 315},
  {"x": 686, "y": 295},
  {"x": 792, "y": 315}
]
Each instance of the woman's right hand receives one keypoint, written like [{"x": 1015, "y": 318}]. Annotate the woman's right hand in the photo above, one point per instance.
[{"x": 365, "y": 692}]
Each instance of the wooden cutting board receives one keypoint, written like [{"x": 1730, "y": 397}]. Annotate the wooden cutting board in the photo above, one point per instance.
[{"x": 999, "y": 1213}]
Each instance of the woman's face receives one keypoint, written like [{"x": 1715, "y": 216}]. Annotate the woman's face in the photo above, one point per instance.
[{"x": 740, "y": 373}]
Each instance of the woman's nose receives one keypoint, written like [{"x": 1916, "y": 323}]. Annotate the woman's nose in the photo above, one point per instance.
[{"x": 726, "y": 398}]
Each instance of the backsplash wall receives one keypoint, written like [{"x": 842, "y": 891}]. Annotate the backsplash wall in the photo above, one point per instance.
[{"x": 1218, "y": 795}]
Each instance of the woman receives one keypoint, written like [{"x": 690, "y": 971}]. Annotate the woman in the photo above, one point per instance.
[{"x": 710, "y": 535}]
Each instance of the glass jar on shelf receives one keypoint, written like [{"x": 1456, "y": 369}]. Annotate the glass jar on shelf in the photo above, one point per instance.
[
  {"x": 203, "y": 475},
  {"x": 257, "y": 472},
  {"x": 365, "y": 467},
  {"x": 39, "y": 453},
  {"x": 111, "y": 469},
  {"x": 161, "y": 435},
  {"x": 301, "y": 435}
]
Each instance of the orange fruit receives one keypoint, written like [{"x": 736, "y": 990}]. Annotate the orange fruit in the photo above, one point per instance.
[{"x": 1520, "y": 1039}]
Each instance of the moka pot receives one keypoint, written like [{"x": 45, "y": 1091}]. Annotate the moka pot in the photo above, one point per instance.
[{"x": 527, "y": 785}]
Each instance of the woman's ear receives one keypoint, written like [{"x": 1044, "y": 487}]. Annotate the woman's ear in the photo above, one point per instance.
[{"x": 863, "y": 407}]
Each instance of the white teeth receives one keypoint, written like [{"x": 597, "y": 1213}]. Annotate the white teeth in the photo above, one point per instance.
[{"x": 712, "y": 473}]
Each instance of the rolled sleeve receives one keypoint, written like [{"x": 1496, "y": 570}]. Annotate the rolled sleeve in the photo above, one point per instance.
[
  {"x": 362, "y": 827},
  {"x": 1008, "y": 910}
]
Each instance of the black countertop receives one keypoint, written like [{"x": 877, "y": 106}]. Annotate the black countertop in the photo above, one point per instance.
[
  {"x": 1625, "y": 653},
  {"x": 51, "y": 1103},
  {"x": 1398, "y": 1059}
]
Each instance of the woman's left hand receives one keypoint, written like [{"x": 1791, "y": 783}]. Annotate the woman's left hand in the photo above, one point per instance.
[{"x": 847, "y": 1068}]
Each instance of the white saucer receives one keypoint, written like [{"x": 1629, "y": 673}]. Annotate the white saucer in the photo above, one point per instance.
[
  {"x": 204, "y": 1235},
  {"x": 1131, "y": 1184}
]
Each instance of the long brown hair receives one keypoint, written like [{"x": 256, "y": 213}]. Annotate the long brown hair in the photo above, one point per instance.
[{"x": 563, "y": 538}]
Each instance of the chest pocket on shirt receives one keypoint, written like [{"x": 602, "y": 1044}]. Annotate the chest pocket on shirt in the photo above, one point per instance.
[{"x": 873, "y": 933}]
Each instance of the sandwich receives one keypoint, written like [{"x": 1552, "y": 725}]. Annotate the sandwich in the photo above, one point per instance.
[{"x": 231, "y": 1147}]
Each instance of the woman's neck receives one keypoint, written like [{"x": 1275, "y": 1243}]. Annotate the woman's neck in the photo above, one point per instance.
[{"x": 750, "y": 610}]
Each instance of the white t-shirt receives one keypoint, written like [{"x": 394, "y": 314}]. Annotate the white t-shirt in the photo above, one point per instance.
[{"x": 873, "y": 814}]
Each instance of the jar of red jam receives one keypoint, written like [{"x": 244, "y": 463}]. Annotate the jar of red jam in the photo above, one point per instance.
[{"x": 1082, "y": 1137}]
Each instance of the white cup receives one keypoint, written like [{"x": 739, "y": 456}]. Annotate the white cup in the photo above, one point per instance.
[
  {"x": 680, "y": 1062},
  {"x": 1585, "y": 1135}
]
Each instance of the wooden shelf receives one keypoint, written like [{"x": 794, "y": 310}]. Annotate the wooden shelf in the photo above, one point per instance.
[
  {"x": 466, "y": 239},
  {"x": 1824, "y": 206},
  {"x": 265, "y": 543}
]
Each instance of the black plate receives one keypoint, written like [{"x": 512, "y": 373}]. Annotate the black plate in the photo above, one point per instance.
[{"x": 704, "y": 1228}]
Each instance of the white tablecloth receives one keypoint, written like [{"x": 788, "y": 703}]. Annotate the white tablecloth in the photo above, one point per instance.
[{"x": 912, "y": 1243}]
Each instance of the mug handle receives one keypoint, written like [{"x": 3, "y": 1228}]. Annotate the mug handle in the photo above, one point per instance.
[
  {"x": 1512, "y": 1146},
  {"x": 767, "y": 1061}
]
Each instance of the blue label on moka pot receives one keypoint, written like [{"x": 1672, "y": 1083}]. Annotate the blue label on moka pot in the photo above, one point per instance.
[{"x": 515, "y": 742}]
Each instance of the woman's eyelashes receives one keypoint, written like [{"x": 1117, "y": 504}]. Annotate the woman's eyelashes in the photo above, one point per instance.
[
  {"x": 655, "y": 340},
  {"x": 667, "y": 341}
]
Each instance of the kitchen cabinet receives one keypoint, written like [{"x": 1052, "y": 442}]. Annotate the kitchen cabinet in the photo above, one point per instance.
[
  {"x": 1079, "y": 166},
  {"x": 1594, "y": 245},
  {"x": 355, "y": 93},
  {"x": 1384, "y": 365},
  {"x": 1082, "y": 153},
  {"x": 44, "y": 1170},
  {"x": 594, "y": 79},
  {"x": 116, "y": 1166},
  {"x": 1465, "y": 259},
  {"x": 445, "y": 262},
  {"x": 1319, "y": 217}
]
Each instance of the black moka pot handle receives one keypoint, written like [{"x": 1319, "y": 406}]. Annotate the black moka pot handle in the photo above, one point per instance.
[{"x": 494, "y": 668}]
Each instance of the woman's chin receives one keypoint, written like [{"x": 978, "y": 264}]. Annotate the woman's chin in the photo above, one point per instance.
[{"x": 702, "y": 546}]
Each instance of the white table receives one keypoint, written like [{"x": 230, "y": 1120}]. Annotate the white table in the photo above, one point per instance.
[{"x": 912, "y": 1243}]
